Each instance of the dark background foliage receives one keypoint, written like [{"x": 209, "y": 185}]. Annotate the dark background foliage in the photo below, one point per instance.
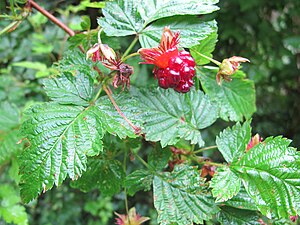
[{"x": 266, "y": 32}]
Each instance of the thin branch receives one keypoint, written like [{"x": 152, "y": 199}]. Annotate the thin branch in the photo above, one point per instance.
[
  {"x": 137, "y": 130},
  {"x": 53, "y": 19},
  {"x": 204, "y": 149}
]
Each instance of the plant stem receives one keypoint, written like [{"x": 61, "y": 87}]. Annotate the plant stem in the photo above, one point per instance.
[
  {"x": 53, "y": 19},
  {"x": 129, "y": 56},
  {"x": 215, "y": 164},
  {"x": 141, "y": 160},
  {"x": 130, "y": 47},
  {"x": 12, "y": 7},
  {"x": 109, "y": 94},
  {"x": 98, "y": 94},
  {"x": 206, "y": 57},
  {"x": 125, "y": 169},
  {"x": 204, "y": 149}
]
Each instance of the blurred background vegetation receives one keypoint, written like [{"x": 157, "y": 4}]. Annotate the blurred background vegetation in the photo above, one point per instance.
[{"x": 266, "y": 32}]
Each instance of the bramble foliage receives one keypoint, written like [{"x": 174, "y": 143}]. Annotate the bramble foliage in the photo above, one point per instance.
[{"x": 77, "y": 133}]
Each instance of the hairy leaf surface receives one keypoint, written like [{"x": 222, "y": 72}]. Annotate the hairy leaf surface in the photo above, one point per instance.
[
  {"x": 192, "y": 30},
  {"x": 236, "y": 99},
  {"x": 138, "y": 180},
  {"x": 180, "y": 198},
  {"x": 206, "y": 47},
  {"x": 225, "y": 184},
  {"x": 75, "y": 89},
  {"x": 232, "y": 142},
  {"x": 270, "y": 174},
  {"x": 105, "y": 175},
  {"x": 234, "y": 216},
  {"x": 168, "y": 115}
]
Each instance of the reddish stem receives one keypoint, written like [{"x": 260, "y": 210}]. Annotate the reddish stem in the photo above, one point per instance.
[
  {"x": 72, "y": 33},
  {"x": 53, "y": 19},
  {"x": 137, "y": 130}
]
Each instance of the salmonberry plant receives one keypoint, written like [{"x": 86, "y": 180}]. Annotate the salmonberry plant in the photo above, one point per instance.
[{"x": 105, "y": 134}]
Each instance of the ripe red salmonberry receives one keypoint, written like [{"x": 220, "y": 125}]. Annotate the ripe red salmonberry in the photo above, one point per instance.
[{"x": 174, "y": 68}]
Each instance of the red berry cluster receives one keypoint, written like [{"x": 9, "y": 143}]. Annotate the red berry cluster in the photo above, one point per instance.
[{"x": 178, "y": 74}]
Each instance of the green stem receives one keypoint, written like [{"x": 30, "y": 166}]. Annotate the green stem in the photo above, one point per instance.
[
  {"x": 204, "y": 149},
  {"x": 208, "y": 58},
  {"x": 141, "y": 160},
  {"x": 98, "y": 94},
  {"x": 129, "y": 56},
  {"x": 125, "y": 190},
  {"x": 130, "y": 47},
  {"x": 215, "y": 164},
  {"x": 12, "y": 7}
]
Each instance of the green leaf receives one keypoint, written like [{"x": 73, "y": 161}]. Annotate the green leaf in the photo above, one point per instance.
[
  {"x": 236, "y": 99},
  {"x": 10, "y": 209},
  {"x": 242, "y": 200},
  {"x": 138, "y": 180},
  {"x": 9, "y": 116},
  {"x": 60, "y": 138},
  {"x": 270, "y": 174},
  {"x": 8, "y": 145},
  {"x": 234, "y": 216},
  {"x": 163, "y": 154},
  {"x": 105, "y": 175},
  {"x": 169, "y": 116},
  {"x": 225, "y": 184},
  {"x": 75, "y": 89},
  {"x": 86, "y": 23},
  {"x": 122, "y": 18},
  {"x": 192, "y": 30},
  {"x": 179, "y": 197},
  {"x": 31, "y": 65},
  {"x": 152, "y": 10},
  {"x": 206, "y": 47},
  {"x": 232, "y": 142},
  {"x": 128, "y": 17}
]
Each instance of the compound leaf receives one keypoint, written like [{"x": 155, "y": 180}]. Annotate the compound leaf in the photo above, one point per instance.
[
  {"x": 232, "y": 142},
  {"x": 169, "y": 116},
  {"x": 206, "y": 47},
  {"x": 236, "y": 99},
  {"x": 234, "y": 216},
  {"x": 105, "y": 175},
  {"x": 76, "y": 89},
  {"x": 138, "y": 180},
  {"x": 225, "y": 184},
  {"x": 180, "y": 198},
  {"x": 152, "y": 10},
  {"x": 192, "y": 30},
  {"x": 270, "y": 174}
]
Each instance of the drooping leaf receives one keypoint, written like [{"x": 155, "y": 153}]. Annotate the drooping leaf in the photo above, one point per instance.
[
  {"x": 11, "y": 211},
  {"x": 270, "y": 174},
  {"x": 234, "y": 216},
  {"x": 192, "y": 30},
  {"x": 232, "y": 142},
  {"x": 138, "y": 180},
  {"x": 74, "y": 89},
  {"x": 105, "y": 175},
  {"x": 9, "y": 116},
  {"x": 152, "y": 10},
  {"x": 236, "y": 99},
  {"x": 225, "y": 184},
  {"x": 8, "y": 145},
  {"x": 206, "y": 47},
  {"x": 180, "y": 198},
  {"x": 168, "y": 115}
]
